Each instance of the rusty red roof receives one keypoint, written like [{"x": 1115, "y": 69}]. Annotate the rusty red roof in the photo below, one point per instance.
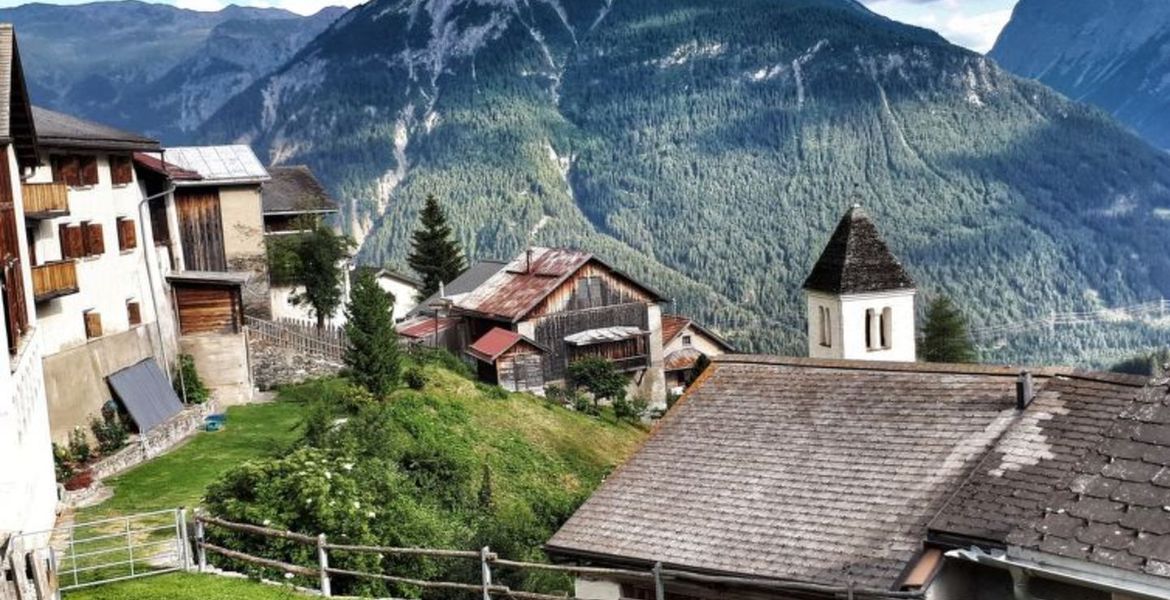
[
  {"x": 672, "y": 325},
  {"x": 162, "y": 167},
  {"x": 682, "y": 360},
  {"x": 520, "y": 286},
  {"x": 496, "y": 342},
  {"x": 423, "y": 327}
]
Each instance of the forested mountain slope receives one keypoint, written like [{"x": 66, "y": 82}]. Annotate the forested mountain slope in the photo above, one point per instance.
[
  {"x": 150, "y": 67},
  {"x": 709, "y": 146},
  {"x": 1111, "y": 53}
]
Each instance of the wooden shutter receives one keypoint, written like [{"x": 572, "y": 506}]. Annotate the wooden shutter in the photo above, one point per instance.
[
  {"x": 72, "y": 241},
  {"x": 127, "y": 235},
  {"x": 121, "y": 170},
  {"x": 95, "y": 242},
  {"x": 134, "y": 310},
  {"x": 67, "y": 170},
  {"x": 11, "y": 267},
  {"x": 159, "y": 226},
  {"x": 89, "y": 170},
  {"x": 93, "y": 325}
]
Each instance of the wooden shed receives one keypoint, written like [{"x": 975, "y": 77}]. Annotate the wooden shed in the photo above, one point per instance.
[
  {"x": 209, "y": 302},
  {"x": 509, "y": 360}
]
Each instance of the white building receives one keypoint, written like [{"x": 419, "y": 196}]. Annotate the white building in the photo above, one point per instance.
[
  {"x": 860, "y": 300},
  {"x": 28, "y": 491},
  {"x": 101, "y": 301}
]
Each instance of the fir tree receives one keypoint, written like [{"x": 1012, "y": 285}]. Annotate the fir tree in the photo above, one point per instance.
[
  {"x": 372, "y": 352},
  {"x": 320, "y": 268},
  {"x": 944, "y": 336},
  {"x": 435, "y": 255}
]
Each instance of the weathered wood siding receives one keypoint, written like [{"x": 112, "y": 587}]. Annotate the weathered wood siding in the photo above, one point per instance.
[
  {"x": 201, "y": 229},
  {"x": 208, "y": 309},
  {"x": 521, "y": 369},
  {"x": 593, "y": 298}
]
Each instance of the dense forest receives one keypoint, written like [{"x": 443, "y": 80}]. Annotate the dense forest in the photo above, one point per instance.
[{"x": 709, "y": 147}]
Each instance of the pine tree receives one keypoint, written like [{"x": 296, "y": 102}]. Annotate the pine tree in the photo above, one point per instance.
[
  {"x": 372, "y": 352},
  {"x": 944, "y": 336},
  {"x": 435, "y": 255}
]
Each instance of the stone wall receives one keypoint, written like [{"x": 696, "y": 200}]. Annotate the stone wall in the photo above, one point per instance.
[
  {"x": 158, "y": 441},
  {"x": 273, "y": 365}
]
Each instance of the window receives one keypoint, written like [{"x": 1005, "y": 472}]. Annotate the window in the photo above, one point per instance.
[
  {"x": 121, "y": 170},
  {"x": 826, "y": 326},
  {"x": 93, "y": 325},
  {"x": 75, "y": 171},
  {"x": 134, "y": 311},
  {"x": 687, "y": 340},
  {"x": 878, "y": 329},
  {"x": 127, "y": 234}
]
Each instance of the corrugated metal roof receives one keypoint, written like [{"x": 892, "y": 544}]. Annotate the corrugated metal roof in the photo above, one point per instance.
[
  {"x": 523, "y": 283},
  {"x": 496, "y": 342},
  {"x": 473, "y": 277},
  {"x": 423, "y": 327},
  {"x": 604, "y": 335},
  {"x": 682, "y": 360},
  {"x": 220, "y": 164},
  {"x": 146, "y": 394}
]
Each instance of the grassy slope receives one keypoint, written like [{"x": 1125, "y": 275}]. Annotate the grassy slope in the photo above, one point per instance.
[
  {"x": 179, "y": 478},
  {"x": 186, "y": 587}
]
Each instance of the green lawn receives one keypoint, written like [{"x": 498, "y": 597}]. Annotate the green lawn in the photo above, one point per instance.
[
  {"x": 181, "y": 586},
  {"x": 180, "y": 477}
]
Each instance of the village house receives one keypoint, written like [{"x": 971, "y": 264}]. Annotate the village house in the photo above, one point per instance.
[
  {"x": 803, "y": 478},
  {"x": 101, "y": 300},
  {"x": 685, "y": 342},
  {"x": 28, "y": 490},
  {"x": 551, "y": 306}
]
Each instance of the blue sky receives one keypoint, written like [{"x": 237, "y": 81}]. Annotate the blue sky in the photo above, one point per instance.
[{"x": 971, "y": 23}]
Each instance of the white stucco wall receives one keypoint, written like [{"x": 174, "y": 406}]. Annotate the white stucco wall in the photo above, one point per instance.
[
  {"x": 404, "y": 296},
  {"x": 28, "y": 491},
  {"x": 108, "y": 281},
  {"x": 596, "y": 589},
  {"x": 699, "y": 341},
  {"x": 847, "y": 315}
]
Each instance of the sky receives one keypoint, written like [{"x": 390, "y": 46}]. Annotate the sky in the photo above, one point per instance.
[{"x": 971, "y": 23}]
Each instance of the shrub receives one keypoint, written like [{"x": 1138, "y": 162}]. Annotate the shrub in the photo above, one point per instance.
[
  {"x": 599, "y": 377},
  {"x": 110, "y": 433},
  {"x": 62, "y": 462},
  {"x": 79, "y": 446},
  {"x": 79, "y": 481},
  {"x": 188, "y": 384},
  {"x": 415, "y": 378},
  {"x": 492, "y": 392},
  {"x": 440, "y": 357},
  {"x": 630, "y": 410}
]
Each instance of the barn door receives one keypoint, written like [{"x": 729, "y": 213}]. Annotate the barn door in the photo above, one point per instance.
[
  {"x": 208, "y": 309},
  {"x": 201, "y": 228}
]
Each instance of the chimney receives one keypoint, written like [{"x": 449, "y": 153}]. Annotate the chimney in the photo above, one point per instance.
[
  {"x": 528, "y": 264},
  {"x": 1024, "y": 390}
]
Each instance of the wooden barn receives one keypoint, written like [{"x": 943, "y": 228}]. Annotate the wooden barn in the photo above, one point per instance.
[{"x": 509, "y": 360}]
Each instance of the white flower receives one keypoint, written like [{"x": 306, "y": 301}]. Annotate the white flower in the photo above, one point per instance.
[
  {"x": 267, "y": 522},
  {"x": 347, "y": 466},
  {"x": 357, "y": 504},
  {"x": 308, "y": 501},
  {"x": 371, "y": 514},
  {"x": 288, "y": 575},
  {"x": 328, "y": 475}
]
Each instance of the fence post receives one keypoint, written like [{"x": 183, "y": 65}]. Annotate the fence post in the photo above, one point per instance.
[
  {"x": 323, "y": 565},
  {"x": 184, "y": 541},
  {"x": 659, "y": 591},
  {"x": 486, "y": 569},
  {"x": 200, "y": 536}
]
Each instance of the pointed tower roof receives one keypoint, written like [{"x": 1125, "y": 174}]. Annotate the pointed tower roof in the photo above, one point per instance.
[{"x": 857, "y": 260}]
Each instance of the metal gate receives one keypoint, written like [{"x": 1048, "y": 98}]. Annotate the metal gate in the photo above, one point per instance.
[{"x": 118, "y": 549}]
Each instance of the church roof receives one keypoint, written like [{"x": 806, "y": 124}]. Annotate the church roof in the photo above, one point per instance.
[{"x": 857, "y": 260}]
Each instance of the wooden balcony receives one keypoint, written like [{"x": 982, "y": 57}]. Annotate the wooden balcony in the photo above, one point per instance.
[
  {"x": 54, "y": 280},
  {"x": 45, "y": 200}
]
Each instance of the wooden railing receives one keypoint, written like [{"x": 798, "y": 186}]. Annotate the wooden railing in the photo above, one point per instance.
[
  {"x": 43, "y": 200},
  {"x": 53, "y": 280}
]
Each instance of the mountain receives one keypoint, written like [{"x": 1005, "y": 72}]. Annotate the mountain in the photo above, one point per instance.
[
  {"x": 710, "y": 146},
  {"x": 150, "y": 67},
  {"x": 1114, "y": 54}
]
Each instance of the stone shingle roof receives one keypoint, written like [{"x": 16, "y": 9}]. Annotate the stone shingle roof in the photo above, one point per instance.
[
  {"x": 295, "y": 190},
  {"x": 815, "y": 471},
  {"x": 857, "y": 260},
  {"x": 1114, "y": 509},
  {"x": 16, "y": 121},
  {"x": 58, "y": 130},
  {"x": 1068, "y": 418}
]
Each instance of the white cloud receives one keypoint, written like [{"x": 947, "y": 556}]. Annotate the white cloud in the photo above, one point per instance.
[{"x": 972, "y": 23}]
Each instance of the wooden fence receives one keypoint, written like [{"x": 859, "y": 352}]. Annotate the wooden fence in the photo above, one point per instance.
[
  {"x": 485, "y": 588},
  {"x": 328, "y": 342}
]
